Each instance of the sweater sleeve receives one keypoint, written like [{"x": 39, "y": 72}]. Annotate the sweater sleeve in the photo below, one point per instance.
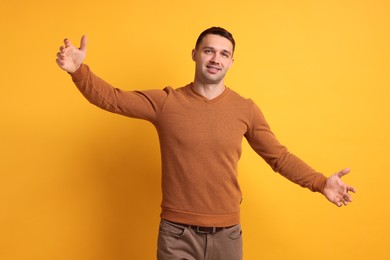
[
  {"x": 264, "y": 142},
  {"x": 137, "y": 104}
]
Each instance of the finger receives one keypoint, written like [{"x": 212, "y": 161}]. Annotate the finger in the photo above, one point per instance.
[
  {"x": 345, "y": 202},
  {"x": 60, "y": 63},
  {"x": 341, "y": 201},
  {"x": 83, "y": 43},
  {"x": 67, "y": 43},
  {"x": 60, "y": 56},
  {"x": 348, "y": 197},
  {"x": 343, "y": 172},
  {"x": 350, "y": 188},
  {"x": 62, "y": 49}
]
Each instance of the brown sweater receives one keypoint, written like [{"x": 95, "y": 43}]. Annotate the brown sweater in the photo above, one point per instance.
[{"x": 200, "y": 143}]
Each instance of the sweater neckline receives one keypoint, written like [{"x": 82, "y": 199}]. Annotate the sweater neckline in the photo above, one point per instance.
[{"x": 204, "y": 99}]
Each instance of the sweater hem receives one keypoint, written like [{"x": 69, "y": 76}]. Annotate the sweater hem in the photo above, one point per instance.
[{"x": 201, "y": 219}]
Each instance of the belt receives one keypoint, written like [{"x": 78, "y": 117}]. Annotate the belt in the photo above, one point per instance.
[
  {"x": 206, "y": 230},
  {"x": 199, "y": 229}
]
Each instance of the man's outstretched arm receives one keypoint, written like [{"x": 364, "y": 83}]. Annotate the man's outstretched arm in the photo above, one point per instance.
[{"x": 136, "y": 104}]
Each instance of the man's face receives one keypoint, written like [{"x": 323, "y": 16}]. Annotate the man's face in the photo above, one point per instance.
[{"x": 213, "y": 57}]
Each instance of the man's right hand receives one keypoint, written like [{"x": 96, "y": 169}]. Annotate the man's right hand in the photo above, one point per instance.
[{"x": 70, "y": 58}]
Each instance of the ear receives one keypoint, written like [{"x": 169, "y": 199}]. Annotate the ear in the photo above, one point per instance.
[
  {"x": 231, "y": 63},
  {"x": 194, "y": 55}
]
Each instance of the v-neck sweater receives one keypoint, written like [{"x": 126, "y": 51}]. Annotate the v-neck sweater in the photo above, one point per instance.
[{"x": 200, "y": 143}]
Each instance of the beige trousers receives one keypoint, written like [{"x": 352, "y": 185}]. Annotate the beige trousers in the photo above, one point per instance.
[{"x": 179, "y": 242}]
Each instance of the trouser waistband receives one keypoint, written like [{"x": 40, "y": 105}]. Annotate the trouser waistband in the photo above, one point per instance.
[{"x": 200, "y": 229}]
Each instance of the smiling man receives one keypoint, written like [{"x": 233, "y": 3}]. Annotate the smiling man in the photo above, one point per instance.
[
  {"x": 213, "y": 56},
  {"x": 201, "y": 127}
]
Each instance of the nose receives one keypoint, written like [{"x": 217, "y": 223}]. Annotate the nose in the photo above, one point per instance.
[{"x": 215, "y": 58}]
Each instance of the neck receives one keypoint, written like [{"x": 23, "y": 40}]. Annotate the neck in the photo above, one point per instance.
[{"x": 209, "y": 91}]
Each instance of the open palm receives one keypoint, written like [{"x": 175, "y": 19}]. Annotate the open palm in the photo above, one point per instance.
[
  {"x": 70, "y": 58},
  {"x": 336, "y": 191}
]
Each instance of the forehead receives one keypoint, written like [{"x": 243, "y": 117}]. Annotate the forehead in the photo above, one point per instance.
[{"x": 216, "y": 42}]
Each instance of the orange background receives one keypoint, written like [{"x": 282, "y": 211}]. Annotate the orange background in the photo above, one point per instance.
[{"x": 82, "y": 184}]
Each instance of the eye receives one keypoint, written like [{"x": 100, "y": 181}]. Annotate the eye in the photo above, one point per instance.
[{"x": 225, "y": 55}]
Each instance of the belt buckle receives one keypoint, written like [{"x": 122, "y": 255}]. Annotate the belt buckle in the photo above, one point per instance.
[{"x": 208, "y": 230}]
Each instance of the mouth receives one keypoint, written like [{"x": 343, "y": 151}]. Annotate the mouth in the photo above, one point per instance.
[{"x": 213, "y": 69}]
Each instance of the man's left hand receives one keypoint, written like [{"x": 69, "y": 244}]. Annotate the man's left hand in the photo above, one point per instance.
[{"x": 336, "y": 191}]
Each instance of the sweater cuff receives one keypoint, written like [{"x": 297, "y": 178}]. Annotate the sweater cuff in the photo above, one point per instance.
[
  {"x": 80, "y": 73},
  {"x": 319, "y": 185}
]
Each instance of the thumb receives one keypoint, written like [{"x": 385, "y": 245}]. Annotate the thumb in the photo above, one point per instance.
[
  {"x": 83, "y": 43},
  {"x": 343, "y": 172}
]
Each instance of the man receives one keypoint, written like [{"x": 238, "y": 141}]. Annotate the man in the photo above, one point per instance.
[{"x": 200, "y": 128}]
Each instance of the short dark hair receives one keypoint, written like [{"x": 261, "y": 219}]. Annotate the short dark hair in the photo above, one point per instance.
[{"x": 217, "y": 31}]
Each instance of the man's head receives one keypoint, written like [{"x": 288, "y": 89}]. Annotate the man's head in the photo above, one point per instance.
[
  {"x": 216, "y": 31},
  {"x": 213, "y": 55}
]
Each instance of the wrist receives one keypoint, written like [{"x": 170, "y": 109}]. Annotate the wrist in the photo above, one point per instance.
[
  {"x": 74, "y": 70},
  {"x": 80, "y": 73}
]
